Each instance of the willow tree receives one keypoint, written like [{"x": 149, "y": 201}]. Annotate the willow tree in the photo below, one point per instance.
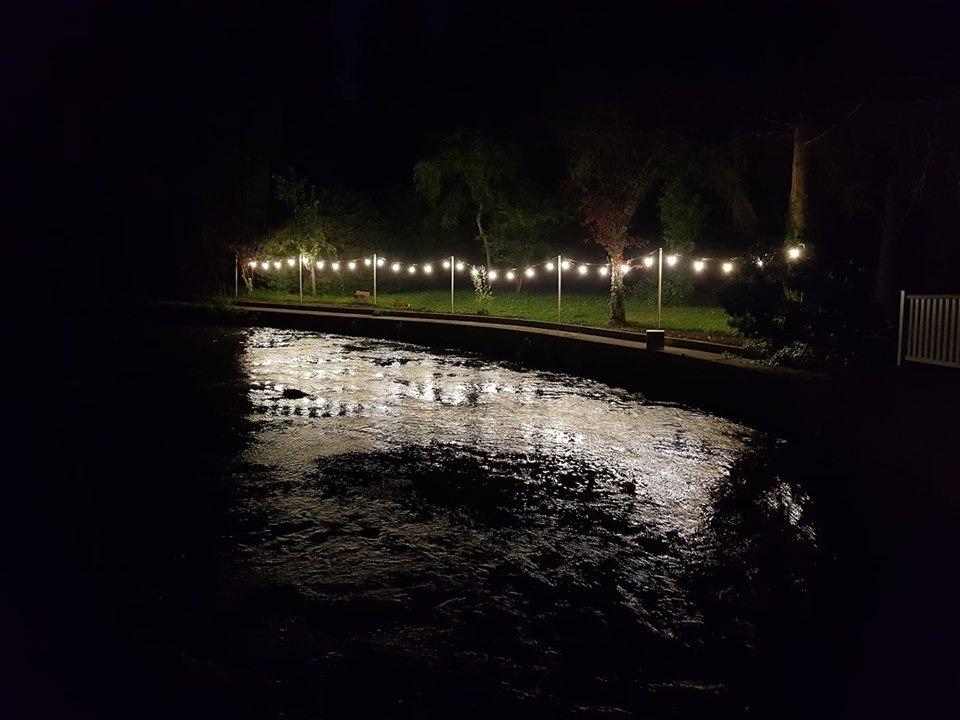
[
  {"x": 467, "y": 179},
  {"x": 610, "y": 173}
]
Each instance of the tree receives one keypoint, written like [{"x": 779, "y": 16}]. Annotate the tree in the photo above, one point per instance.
[
  {"x": 321, "y": 222},
  {"x": 519, "y": 227},
  {"x": 468, "y": 178},
  {"x": 610, "y": 172}
]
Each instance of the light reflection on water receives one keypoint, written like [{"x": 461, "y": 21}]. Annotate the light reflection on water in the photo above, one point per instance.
[{"x": 443, "y": 491}]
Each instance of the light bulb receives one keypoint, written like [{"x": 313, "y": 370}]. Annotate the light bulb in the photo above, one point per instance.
[
  {"x": 759, "y": 263},
  {"x": 603, "y": 271},
  {"x": 648, "y": 261},
  {"x": 459, "y": 266},
  {"x": 412, "y": 269},
  {"x": 395, "y": 267},
  {"x": 510, "y": 275},
  {"x": 582, "y": 269},
  {"x": 698, "y": 266},
  {"x": 446, "y": 264},
  {"x": 549, "y": 267},
  {"x": 671, "y": 260},
  {"x": 253, "y": 263},
  {"x": 335, "y": 266},
  {"x": 366, "y": 261},
  {"x": 529, "y": 272},
  {"x": 276, "y": 264},
  {"x": 727, "y": 267},
  {"x": 290, "y": 262},
  {"x": 492, "y": 275},
  {"x": 565, "y": 265},
  {"x": 351, "y": 265},
  {"x": 319, "y": 264},
  {"x": 428, "y": 269},
  {"x": 624, "y": 269},
  {"x": 381, "y": 262},
  {"x": 793, "y": 253},
  {"x": 265, "y": 265}
]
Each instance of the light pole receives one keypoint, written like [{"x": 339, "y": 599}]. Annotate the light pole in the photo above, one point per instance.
[
  {"x": 559, "y": 283},
  {"x": 659, "y": 284},
  {"x": 374, "y": 278},
  {"x": 452, "y": 268}
]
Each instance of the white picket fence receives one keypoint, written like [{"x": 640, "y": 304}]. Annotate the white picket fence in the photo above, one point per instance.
[{"x": 929, "y": 329}]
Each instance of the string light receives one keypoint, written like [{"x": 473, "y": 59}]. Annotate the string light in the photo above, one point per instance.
[
  {"x": 366, "y": 261},
  {"x": 351, "y": 265},
  {"x": 727, "y": 267},
  {"x": 582, "y": 269},
  {"x": 253, "y": 263},
  {"x": 565, "y": 265},
  {"x": 648, "y": 261},
  {"x": 276, "y": 264},
  {"x": 550, "y": 266},
  {"x": 335, "y": 266},
  {"x": 319, "y": 264},
  {"x": 492, "y": 275},
  {"x": 290, "y": 262},
  {"x": 759, "y": 263},
  {"x": 794, "y": 252},
  {"x": 428, "y": 269},
  {"x": 529, "y": 272},
  {"x": 265, "y": 265},
  {"x": 603, "y": 271},
  {"x": 624, "y": 269},
  {"x": 395, "y": 267},
  {"x": 671, "y": 260},
  {"x": 381, "y": 262},
  {"x": 446, "y": 264},
  {"x": 412, "y": 269},
  {"x": 510, "y": 275},
  {"x": 303, "y": 260},
  {"x": 460, "y": 266},
  {"x": 698, "y": 266}
]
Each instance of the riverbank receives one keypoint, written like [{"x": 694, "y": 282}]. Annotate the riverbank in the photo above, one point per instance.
[{"x": 699, "y": 322}]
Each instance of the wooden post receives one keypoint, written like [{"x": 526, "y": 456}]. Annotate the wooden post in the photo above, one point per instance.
[
  {"x": 236, "y": 276},
  {"x": 300, "y": 271},
  {"x": 659, "y": 285},
  {"x": 903, "y": 298},
  {"x": 452, "y": 270},
  {"x": 374, "y": 278},
  {"x": 559, "y": 283}
]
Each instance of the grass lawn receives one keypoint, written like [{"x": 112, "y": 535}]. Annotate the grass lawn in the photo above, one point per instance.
[{"x": 701, "y": 322}]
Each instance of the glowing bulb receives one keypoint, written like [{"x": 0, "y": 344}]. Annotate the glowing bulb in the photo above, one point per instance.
[
  {"x": 582, "y": 269},
  {"x": 412, "y": 269},
  {"x": 565, "y": 265},
  {"x": 395, "y": 267},
  {"x": 759, "y": 263},
  {"x": 276, "y": 264},
  {"x": 549, "y": 267},
  {"x": 510, "y": 275},
  {"x": 492, "y": 275},
  {"x": 303, "y": 260},
  {"x": 352, "y": 265},
  {"x": 319, "y": 264},
  {"x": 698, "y": 266},
  {"x": 265, "y": 265},
  {"x": 529, "y": 272},
  {"x": 381, "y": 262},
  {"x": 366, "y": 261},
  {"x": 428, "y": 269},
  {"x": 624, "y": 269},
  {"x": 253, "y": 263},
  {"x": 793, "y": 253},
  {"x": 671, "y": 260},
  {"x": 648, "y": 261},
  {"x": 727, "y": 267},
  {"x": 474, "y": 271},
  {"x": 446, "y": 264},
  {"x": 290, "y": 262},
  {"x": 335, "y": 266},
  {"x": 603, "y": 271},
  {"x": 460, "y": 266}
]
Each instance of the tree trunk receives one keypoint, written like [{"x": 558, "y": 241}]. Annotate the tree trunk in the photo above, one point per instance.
[
  {"x": 883, "y": 290},
  {"x": 797, "y": 207},
  {"x": 313, "y": 278},
  {"x": 618, "y": 311},
  {"x": 483, "y": 237},
  {"x": 247, "y": 279}
]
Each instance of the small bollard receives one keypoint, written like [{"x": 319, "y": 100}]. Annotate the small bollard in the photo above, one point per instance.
[{"x": 655, "y": 339}]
